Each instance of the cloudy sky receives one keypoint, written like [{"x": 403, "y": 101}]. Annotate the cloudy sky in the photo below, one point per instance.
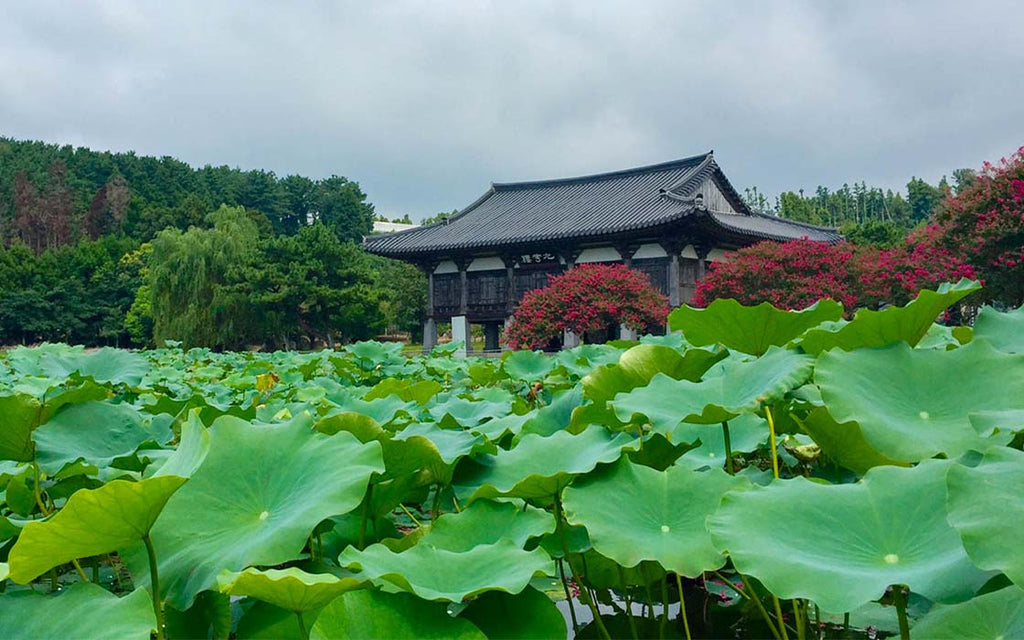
[{"x": 425, "y": 103}]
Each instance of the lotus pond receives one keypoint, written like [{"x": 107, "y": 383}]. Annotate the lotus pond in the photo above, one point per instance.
[{"x": 758, "y": 474}]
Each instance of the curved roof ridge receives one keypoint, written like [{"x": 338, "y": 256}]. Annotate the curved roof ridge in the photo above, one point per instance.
[
  {"x": 608, "y": 175},
  {"x": 797, "y": 223}
]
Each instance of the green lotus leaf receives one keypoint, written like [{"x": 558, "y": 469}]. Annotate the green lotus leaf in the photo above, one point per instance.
[
  {"x": 258, "y": 505},
  {"x": 913, "y": 404},
  {"x": 843, "y": 545},
  {"x": 5, "y": 571},
  {"x": 193, "y": 446},
  {"x": 469, "y": 413},
  {"x": 438, "y": 574},
  {"x": 408, "y": 390},
  {"x": 733, "y": 387},
  {"x": 371, "y": 615},
  {"x": 292, "y": 589},
  {"x": 83, "y": 611},
  {"x": 497, "y": 428},
  {"x": 528, "y": 366},
  {"x": 751, "y": 330},
  {"x": 96, "y": 432},
  {"x": 844, "y": 443},
  {"x": 999, "y": 614},
  {"x": 19, "y": 414},
  {"x": 746, "y": 433},
  {"x": 488, "y": 522},
  {"x": 208, "y": 617},
  {"x": 988, "y": 423},
  {"x": 986, "y": 507},
  {"x": 870, "y": 328},
  {"x": 106, "y": 365},
  {"x": 638, "y": 365},
  {"x": 634, "y": 513},
  {"x": 529, "y": 615},
  {"x": 554, "y": 417},
  {"x": 539, "y": 467},
  {"x": 450, "y": 444},
  {"x": 1005, "y": 330},
  {"x": 92, "y": 522},
  {"x": 383, "y": 410}
]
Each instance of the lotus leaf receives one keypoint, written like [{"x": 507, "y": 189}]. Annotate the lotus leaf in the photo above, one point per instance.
[
  {"x": 469, "y": 413},
  {"x": 749, "y": 329},
  {"x": 208, "y": 617},
  {"x": 488, "y": 522},
  {"x": 106, "y": 365},
  {"x": 987, "y": 508},
  {"x": 292, "y": 589},
  {"x": 5, "y": 571},
  {"x": 999, "y": 614},
  {"x": 371, "y": 615},
  {"x": 528, "y": 366},
  {"x": 92, "y": 522},
  {"x": 733, "y": 387},
  {"x": 83, "y": 611},
  {"x": 96, "y": 432},
  {"x": 438, "y": 574},
  {"x": 19, "y": 415},
  {"x": 638, "y": 365},
  {"x": 1005, "y": 330},
  {"x": 844, "y": 443},
  {"x": 843, "y": 545},
  {"x": 746, "y": 433},
  {"x": 529, "y": 615},
  {"x": 409, "y": 390},
  {"x": 258, "y": 505},
  {"x": 871, "y": 328},
  {"x": 539, "y": 467},
  {"x": 634, "y": 513},
  {"x": 914, "y": 404}
]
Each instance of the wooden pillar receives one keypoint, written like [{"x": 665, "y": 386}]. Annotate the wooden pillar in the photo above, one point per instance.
[
  {"x": 702, "y": 251},
  {"x": 463, "y": 263},
  {"x": 510, "y": 260},
  {"x": 430, "y": 320},
  {"x": 626, "y": 252}
]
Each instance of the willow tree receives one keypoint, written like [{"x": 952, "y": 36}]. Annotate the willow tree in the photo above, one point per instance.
[{"x": 193, "y": 281}]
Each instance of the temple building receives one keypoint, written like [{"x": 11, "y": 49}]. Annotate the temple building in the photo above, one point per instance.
[{"x": 667, "y": 220}]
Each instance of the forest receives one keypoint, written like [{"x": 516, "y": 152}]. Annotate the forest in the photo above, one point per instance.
[{"x": 102, "y": 248}]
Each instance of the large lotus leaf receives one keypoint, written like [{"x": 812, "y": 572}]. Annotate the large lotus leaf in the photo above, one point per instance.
[
  {"x": 634, "y": 513},
  {"x": 638, "y": 365},
  {"x": 82, "y": 612},
  {"x": 371, "y": 615},
  {"x": 193, "y": 445},
  {"x": 106, "y": 365},
  {"x": 529, "y": 615},
  {"x": 438, "y": 574},
  {"x": 1005, "y": 330},
  {"x": 528, "y": 366},
  {"x": 870, "y": 328},
  {"x": 208, "y": 617},
  {"x": 383, "y": 410},
  {"x": 913, "y": 404},
  {"x": 409, "y": 390},
  {"x": 986, "y": 507},
  {"x": 844, "y": 443},
  {"x": 539, "y": 467},
  {"x": 261, "y": 490},
  {"x": 292, "y": 589},
  {"x": 749, "y": 329},
  {"x": 5, "y": 571},
  {"x": 488, "y": 522},
  {"x": 842, "y": 545},
  {"x": 96, "y": 432},
  {"x": 999, "y": 614},
  {"x": 19, "y": 414},
  {"x": 554, "y": 417},
  {"x": 92, "y": 522},
  {"x": 451, "y": 444},
  {"x": 264, "y": 621},
  {"x": 469, "y": 413},
  {"x": 746, "y": 433},
  {"x": 988, "y": 422},
  {"x": 734, "y": 387}
]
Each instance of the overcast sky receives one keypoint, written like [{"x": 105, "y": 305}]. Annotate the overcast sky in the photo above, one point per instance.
[{"x": 425, "y": 103}]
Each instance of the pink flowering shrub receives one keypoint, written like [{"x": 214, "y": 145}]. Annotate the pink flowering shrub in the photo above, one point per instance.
[
  {"x": 589, "y": 297},
  {"x": 984, "y": 224}
]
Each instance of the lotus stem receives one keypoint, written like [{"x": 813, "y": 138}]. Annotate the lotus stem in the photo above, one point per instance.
[
  {"x": 560, "y": 524},
  {"x": 411, "y": 517},
  {"x": 846, "y": 624},
  {"x": 728, "y": 448},
  {"x": 771, "y": 441},
  {"x": 899, "y": 596},
  {"x": 664, "y": 607},
  {"x": 629, "y": 604},
  {"x": 36, "y": 491},
  {"x": 682, "y": 607},
  {"x": 302, "y": 625},
  {"x": 366, "y": 515},
  {"x": 778, "y": 613},
  {"x": 154, "y": 577},
  {"x": 799, "y": 620},
  {"x": 568, "y": 598},
  {"x": 753, "y": 598},
  {"x": 78, "y": 568}
]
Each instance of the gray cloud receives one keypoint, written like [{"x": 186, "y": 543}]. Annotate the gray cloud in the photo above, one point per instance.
[{"x": 425, "y": 103}]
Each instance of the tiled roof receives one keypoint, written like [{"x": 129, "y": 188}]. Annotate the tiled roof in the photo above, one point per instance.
[{"x": 584, "y": 207}]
